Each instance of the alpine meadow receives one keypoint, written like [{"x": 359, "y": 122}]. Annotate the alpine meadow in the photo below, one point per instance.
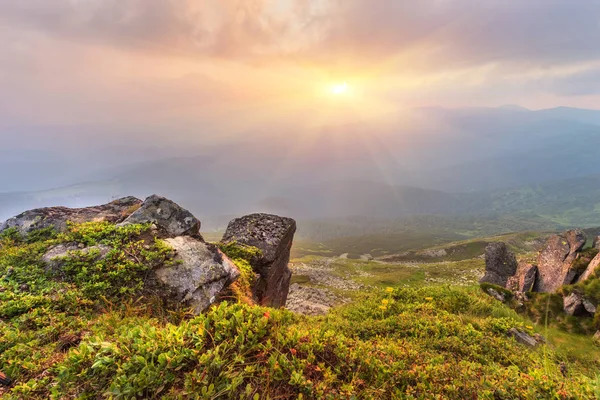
[{"x": 299, "y": 199}]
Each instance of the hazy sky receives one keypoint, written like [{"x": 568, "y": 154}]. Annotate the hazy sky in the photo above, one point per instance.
[{"x": 231, "y": 65}]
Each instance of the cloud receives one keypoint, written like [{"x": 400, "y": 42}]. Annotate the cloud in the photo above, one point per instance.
[
  {"x": 583, "y": 83},
  {"x": 127, "y": 60},
  {"x": 434, "y": 32}
]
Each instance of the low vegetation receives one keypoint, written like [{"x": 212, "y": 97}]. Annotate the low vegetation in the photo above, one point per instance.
[{"x": 92, "y": 332}]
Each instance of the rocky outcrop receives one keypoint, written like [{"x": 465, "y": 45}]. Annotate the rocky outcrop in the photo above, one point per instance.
[
  {"x": 273, "y": 236},
  {"x": 555, "y": 261},
  {"x": 170, "y": 219},
  {"x": 200, "y": 272},
  {"x": 524, "y": 278},
  {"x": 591, "y": 269},
  {"x": 596, "y": 243},
  {"x": 57, "y": 217},
  {"x": 500, "y": 264}
]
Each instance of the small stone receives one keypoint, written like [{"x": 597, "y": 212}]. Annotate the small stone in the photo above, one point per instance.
[
  {"x": 523, "y": 337},
  {"x": 10, "y": 271},
  {"x": 24, "y": 287},
  {"x": 81, "y": 246},
  {"x": 494, "y": 293}
]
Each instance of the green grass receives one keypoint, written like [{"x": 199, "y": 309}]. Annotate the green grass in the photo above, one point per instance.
[
  {"x": 376, "y": 244},
  {"x": 59, "y": 339}
]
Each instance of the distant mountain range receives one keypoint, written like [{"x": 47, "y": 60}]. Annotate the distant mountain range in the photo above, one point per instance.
[{"x": 476, "y": 161}]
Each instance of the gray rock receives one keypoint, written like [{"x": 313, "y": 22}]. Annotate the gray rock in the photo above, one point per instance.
[
  {"x": 524, "y": 279},
  {"x": 524, "y": 338},
  {"x": 170, "y": 219},
  {"x": 57, "y": 217},
  {"x": 200, "y": 272},
  {"x": 500, "y": 264},
  {"x": 591, "y": 268},
  {"x": 555, "y": 261},
  {"x": 589, "y": 306},
  {"x": 55, "y": 258},
  {"x": 494, "y": 293},
  {"x": 273, "y": 235},
  {"x": 576, "y": 305}
]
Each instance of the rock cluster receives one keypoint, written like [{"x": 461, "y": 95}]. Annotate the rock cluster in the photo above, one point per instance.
[
  {"x": 558, "y": 264},
  {"x": 200, "y": 272}
]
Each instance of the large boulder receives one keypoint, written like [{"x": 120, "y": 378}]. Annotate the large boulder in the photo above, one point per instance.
[
  {"x": 273, "y": 236},
  {"x": 591, "y": 268},
  {"x": 170, "y": 219},
  {"x": 200, "y": 272},
  {"x": 57, "y": 217},
  {"x": 524, "y": 279},
  {"x": 555, "y": 261},
  {"x": 500, "y": 264}
]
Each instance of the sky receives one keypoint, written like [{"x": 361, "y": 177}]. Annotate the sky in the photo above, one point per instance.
[{"x": 222, "y": 67}]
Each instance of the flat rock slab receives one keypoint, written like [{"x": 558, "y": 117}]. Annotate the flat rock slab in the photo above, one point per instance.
[
  {"x": 199, "y": 274},
  {"x": 273, "y": 236},
  {"x": 57, "y": 217}
]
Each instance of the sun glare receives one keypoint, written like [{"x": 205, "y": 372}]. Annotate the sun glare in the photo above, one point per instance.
[{"x": 340, "y": 89}]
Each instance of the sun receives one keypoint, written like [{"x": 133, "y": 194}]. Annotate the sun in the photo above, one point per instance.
[{"x": 340, "y": 89}]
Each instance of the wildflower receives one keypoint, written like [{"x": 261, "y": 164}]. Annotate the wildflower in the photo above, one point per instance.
[
  {"x": 383, "y": 308},
  {"x": 385, "y": 302},
  {"x": 267, "y": 315},
  {"x": 529, "y": 327},
  {"x": 389, "y": 289},
  {"x": 428, "y": 298}
]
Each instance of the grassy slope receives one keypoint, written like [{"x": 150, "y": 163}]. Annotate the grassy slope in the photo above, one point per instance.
[{"x": 59, "y": 338}]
